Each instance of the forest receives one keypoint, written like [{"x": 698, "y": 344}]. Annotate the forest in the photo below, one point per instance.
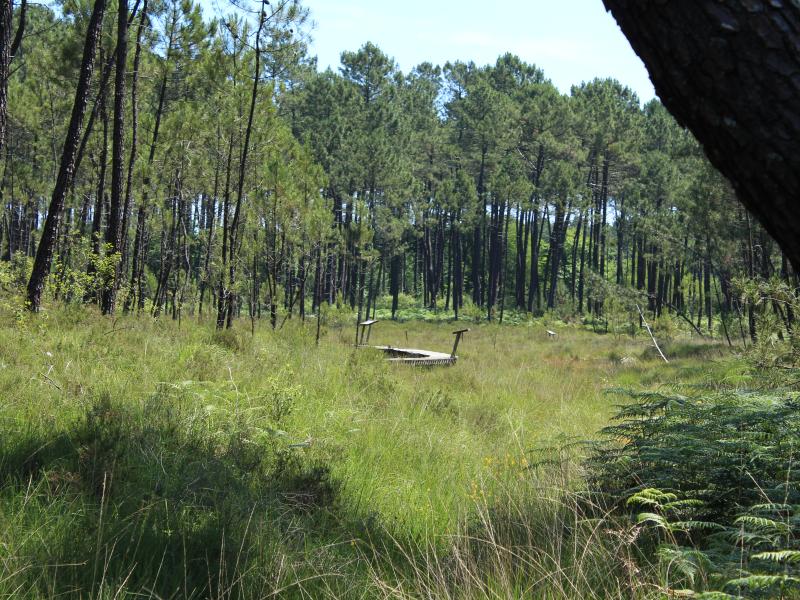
[
  {"x": 221, "y": 174},
  {"x": 195, "y": 218}
]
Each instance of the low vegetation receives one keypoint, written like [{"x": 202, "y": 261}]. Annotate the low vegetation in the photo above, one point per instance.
[
  {"x": 711, "y": 483},
  {"x": 145, "y": 458}
]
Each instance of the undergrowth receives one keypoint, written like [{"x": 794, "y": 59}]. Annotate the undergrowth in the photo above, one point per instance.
[
  {"x": 158, "y": 459},
  {"x": 710, "y": 484}
]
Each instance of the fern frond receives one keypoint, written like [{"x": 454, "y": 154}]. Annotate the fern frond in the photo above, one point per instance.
[
  {"x": 761, "y": 582},
  {"x": 779, "y": 556},
  {"x": 651, "y": 497},
  {"x": 693, "y": 525},
  {"x": 762, "y": 523},
  {"x": 653, "y": 518}
]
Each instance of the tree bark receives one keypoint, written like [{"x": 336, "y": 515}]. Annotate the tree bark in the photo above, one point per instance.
[
  {"x": 6, "y": 13},
  {"x": 126, "y": 209},
  {"x": 8, "y": 48},
  {"x": 108, "y": 67},
  {"x": 114, "y": 224},
  {"x": 728, "y": 70},
  {"x": 97, "y": 218}
]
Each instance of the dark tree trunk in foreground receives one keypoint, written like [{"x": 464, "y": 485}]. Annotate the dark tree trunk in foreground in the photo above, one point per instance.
[
  {"x": 44, "y": 254},
  {"x": 728, "y": 70}
]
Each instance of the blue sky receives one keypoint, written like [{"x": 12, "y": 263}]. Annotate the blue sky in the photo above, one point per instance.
[{"x": 572, "y": 40}]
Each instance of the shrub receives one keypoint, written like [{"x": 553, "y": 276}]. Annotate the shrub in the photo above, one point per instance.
[
  {"x": 233, "y": 339},
  {"x": 665, "y": 328},
  {"x": 15, "y": 274},
  {"x": 712, "y": 482},
  {"x": 404, "y": 301}
]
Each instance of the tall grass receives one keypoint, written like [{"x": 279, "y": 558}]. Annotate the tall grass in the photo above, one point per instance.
[
  {"x": 141, "y": 458},
  {"x": 538, "y": 540}
]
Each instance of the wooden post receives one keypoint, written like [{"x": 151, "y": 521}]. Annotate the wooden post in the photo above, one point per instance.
[
  {"x": 365, "y": 327},
  {"x": 458, "y": 335}
]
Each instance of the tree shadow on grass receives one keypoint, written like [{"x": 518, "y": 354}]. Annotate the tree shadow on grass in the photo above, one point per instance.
[{"x": 153, "y": 502}]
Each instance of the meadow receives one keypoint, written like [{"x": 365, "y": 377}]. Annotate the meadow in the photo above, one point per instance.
[{"x": 147, "y": 458}]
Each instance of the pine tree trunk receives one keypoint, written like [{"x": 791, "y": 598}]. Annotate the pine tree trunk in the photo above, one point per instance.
[
  {"x": 533, "y": 289},
  {"x": 134, "y": 132},
  {"x": 557, "y": 241},
  {"x": 6, "y": 14},
  {"x": 520, "y": 265},
  {"x": 620, "y": 222},
  {"x": 97, "y": 218},
  {"x": 574, "y": 273},
  {"x": 604, "y": 217},
  {"x": 458, "y": 273},
  {"x": 114, "y": 224},
  {"x": 477, "y": 238},
  {"x": 394, "y": 282},
  {"x": 8, "y": 49},
  {"x": 583, "y": 259},
  {"x": 707, "y": 284},
  {"x": 641, "y": 263},
  {"x": 504, "y": 261}
]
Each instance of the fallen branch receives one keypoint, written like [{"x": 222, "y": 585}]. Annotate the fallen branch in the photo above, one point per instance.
[
  {"x": 51, "y": 382},
  {"x": 688, "y": 320},
  {"x": 652, "y": 337}
]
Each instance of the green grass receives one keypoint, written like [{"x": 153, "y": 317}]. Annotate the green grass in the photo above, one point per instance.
[{"x": 144, "y": 459}]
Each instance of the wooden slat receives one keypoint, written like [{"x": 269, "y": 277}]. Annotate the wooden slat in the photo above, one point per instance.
[{"x": 417, "y": 357}]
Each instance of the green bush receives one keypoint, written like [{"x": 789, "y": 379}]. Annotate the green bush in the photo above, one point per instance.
[
  {"x": 14, "y": 274},
  {"x": 233, "y": 339},
  {"x": 404, "y": 301},
  {"x": 712, "y": 482}
]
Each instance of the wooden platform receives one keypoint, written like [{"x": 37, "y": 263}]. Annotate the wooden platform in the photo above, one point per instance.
[
  {"x": 416, "y": 357},
  {"x": 408, "y": 356}
]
